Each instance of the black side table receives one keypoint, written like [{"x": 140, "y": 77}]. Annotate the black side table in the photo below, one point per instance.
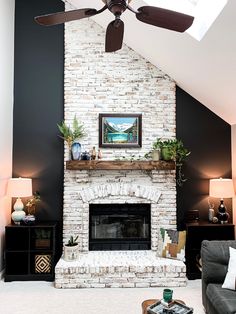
[
  {"x": 196, "y": 233},
  {"x": 30, "y": 251}
]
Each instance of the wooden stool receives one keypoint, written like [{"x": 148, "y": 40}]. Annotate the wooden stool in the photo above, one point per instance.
[{"x": 148, "y": 302}]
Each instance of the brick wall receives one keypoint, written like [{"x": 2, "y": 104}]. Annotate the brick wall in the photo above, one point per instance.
[{"x": 122, "y": 82}]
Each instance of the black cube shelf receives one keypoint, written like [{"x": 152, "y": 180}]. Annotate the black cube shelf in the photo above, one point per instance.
[{"x": 30, "y": 251}]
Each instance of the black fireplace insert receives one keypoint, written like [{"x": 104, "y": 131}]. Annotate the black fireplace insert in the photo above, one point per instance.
[{"x": 119, "y": 227}]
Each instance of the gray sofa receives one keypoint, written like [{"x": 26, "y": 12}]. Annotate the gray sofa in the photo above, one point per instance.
[{"x": 215, "y": 257}]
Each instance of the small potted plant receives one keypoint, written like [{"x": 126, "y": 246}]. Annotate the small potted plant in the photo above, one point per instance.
[
  {"x": 71, "y": 249},
  {"x": 71, "y": 136},
  {"x": 156, "y": 149},
  {"x": 155, "y": 152}
]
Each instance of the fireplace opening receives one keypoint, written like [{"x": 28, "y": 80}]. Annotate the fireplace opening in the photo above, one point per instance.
[{"x": 119, "y": 227}]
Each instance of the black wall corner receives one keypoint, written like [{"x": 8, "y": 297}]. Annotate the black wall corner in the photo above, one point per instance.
[
  {"x": 38, "y": 104},
  {"x": 208, "y": 137}
]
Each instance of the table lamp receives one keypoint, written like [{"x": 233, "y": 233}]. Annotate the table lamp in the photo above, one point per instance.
[
  {"x": 19, "y": 187},
  {"x": 222, "y": 188}
]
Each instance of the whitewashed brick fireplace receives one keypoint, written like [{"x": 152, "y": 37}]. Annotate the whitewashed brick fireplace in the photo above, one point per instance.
[{"x": 121, "y": 82}]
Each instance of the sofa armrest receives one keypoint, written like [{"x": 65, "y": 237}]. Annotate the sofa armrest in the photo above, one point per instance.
[{"x": 215, "y": 258}]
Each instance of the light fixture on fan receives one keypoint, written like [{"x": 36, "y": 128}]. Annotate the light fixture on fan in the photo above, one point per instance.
[
  {"x": 221, "y": 188},
  {"x": 159, "y": 17}
]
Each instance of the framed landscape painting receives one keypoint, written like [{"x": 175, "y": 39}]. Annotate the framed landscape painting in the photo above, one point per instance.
[{"x": 120, "y": 130}]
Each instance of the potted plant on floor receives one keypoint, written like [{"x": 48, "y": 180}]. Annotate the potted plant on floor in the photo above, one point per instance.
[
  {"x": 71, "y": 249},
  {"x": 72, "y": 136}
]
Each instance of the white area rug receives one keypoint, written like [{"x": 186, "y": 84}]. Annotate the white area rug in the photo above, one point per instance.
[{"x": 34, "y": 297}]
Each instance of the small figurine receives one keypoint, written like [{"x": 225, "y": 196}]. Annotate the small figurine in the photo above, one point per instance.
[
  {"x": 93, "y": 154},
  {"x": 99, "y": 154},
  {"x": 211, "y": 212}
]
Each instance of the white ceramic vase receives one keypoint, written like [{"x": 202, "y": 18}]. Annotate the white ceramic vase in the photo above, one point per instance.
[{"x": 156, "y": 154}]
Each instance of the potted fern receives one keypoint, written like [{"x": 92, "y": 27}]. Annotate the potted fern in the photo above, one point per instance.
[
  {"x": 71, "y": 136},
  {"x": 71, "y": 249}
]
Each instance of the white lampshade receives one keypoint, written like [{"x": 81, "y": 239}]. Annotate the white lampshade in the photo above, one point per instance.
[
  {"x": 221, "y": 188},
  {"x": 19, "y": 187}
]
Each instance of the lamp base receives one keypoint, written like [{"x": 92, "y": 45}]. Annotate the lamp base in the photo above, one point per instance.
[
  {"x": 222, "y": 214},
  {"x": 17, "y": 216},
  {"x": 18, "y": 213}
]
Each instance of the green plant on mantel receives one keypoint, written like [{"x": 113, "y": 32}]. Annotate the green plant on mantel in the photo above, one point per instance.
[
  {"x": 172, "y": 150},
  {"x": 156, "y": 146},
  {"x": 71, "y": 134}
]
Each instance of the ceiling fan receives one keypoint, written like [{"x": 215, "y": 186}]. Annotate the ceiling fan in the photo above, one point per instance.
[{"x": 164, "y": 18}]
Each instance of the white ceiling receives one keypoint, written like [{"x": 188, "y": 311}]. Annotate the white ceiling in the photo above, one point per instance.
[{"x": 206, "y": 69}]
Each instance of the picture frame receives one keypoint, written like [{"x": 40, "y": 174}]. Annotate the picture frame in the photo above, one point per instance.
[{"x": 120, "y": 130}]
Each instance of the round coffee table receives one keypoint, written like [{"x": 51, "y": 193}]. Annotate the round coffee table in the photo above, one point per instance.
[{"x": 148, "y": 302}]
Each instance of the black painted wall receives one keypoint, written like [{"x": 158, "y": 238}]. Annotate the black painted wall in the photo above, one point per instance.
[
  {"x": 38, "y": 104},
  {"x": 208, "y": 137},
  {"x": 38, "y": 107}
]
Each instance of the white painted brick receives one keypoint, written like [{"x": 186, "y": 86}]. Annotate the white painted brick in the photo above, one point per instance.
[
  {"x": 142, "y": 285},
  {"x": 96, "y": 269},
  {"x": 97, "y": 82}
]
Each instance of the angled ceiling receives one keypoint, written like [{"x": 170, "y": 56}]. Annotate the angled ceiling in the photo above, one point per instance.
[{"x": 206, "y": 69}]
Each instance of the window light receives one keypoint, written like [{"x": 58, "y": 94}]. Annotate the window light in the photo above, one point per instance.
[{"x": 204, "y": 11}]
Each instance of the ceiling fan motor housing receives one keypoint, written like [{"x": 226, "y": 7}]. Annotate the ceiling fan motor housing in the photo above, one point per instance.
[{"x": 117, "y": 7}]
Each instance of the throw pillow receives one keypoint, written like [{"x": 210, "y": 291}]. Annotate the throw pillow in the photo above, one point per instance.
[
  {"x": 230, "y": 279},
  {"x": 173, "y": 243}
]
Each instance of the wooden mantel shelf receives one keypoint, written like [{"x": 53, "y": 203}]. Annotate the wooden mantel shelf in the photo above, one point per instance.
[{"x": 119, "y": 165}]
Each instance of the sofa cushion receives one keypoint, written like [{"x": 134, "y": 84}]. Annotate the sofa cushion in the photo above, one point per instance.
[
  {"x": 222, "y": 299},
  {"x": 230, "y": 279}
]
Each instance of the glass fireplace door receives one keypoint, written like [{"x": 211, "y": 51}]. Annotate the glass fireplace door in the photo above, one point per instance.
[{"x": 119, "y": 227}]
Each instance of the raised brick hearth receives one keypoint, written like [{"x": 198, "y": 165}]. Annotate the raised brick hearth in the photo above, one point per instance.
[{"x": 120, "y": 269}]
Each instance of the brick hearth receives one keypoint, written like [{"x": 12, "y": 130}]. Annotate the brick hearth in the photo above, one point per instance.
[{"x": 120, "y": 269}]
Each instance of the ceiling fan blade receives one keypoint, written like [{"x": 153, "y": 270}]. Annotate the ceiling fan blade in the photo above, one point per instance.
[
  {"x": 62, "y": 17},
  {"x": 114, "y": 35},
  {"x": 164, "y": 18}
]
